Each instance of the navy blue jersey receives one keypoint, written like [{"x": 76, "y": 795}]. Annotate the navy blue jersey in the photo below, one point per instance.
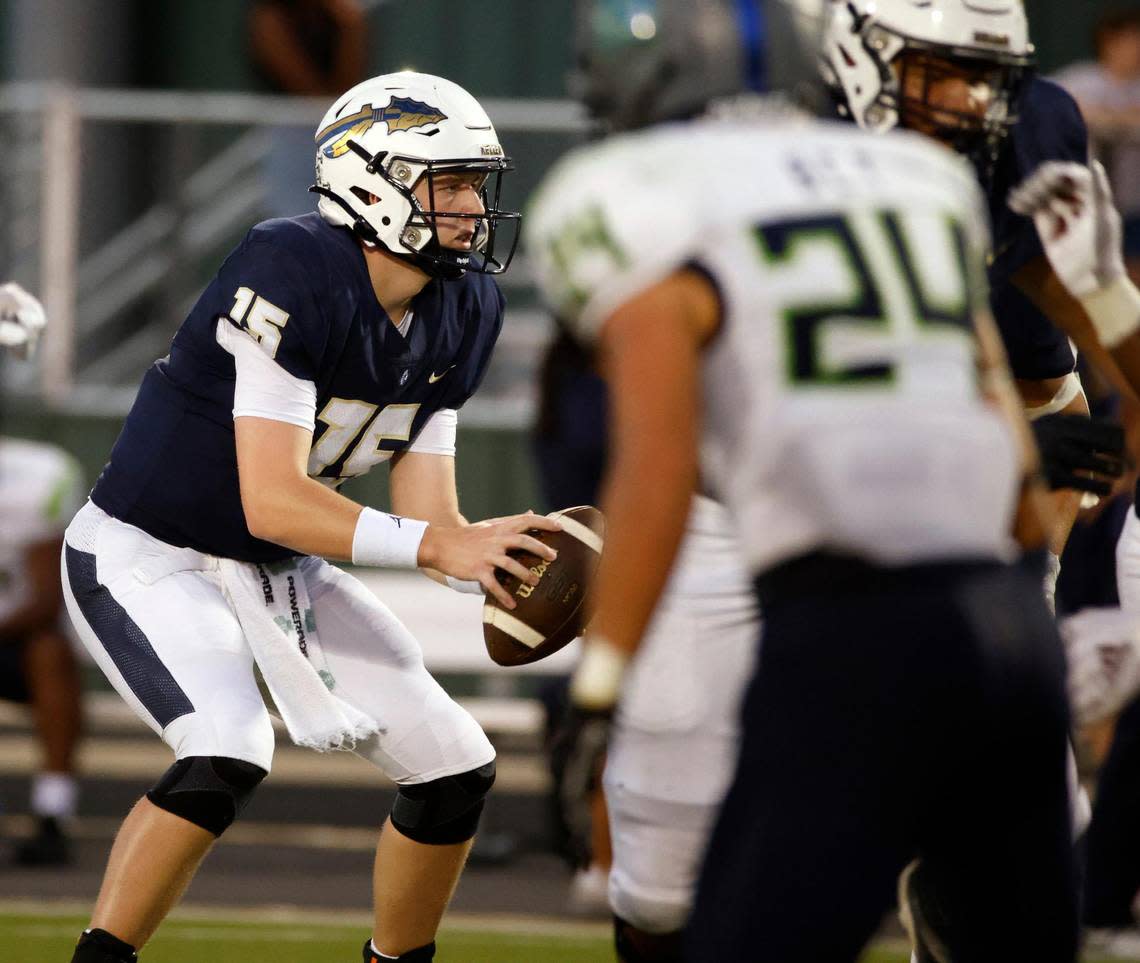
[
  {"x": 302, "y": 288},
  {"x": 1049, "y": 127}
]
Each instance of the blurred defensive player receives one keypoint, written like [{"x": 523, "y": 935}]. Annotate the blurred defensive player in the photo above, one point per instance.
[
  {"x": 806, "y": 306},
  {"x": 326, "y": 344}
]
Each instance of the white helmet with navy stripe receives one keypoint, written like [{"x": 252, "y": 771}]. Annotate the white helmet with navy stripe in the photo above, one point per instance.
[
  {"x": 385, "y": 135},
  {"x": 870, "y": 45}
]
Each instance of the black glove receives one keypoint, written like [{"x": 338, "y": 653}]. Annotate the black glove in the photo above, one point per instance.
[
  {"x": 580, "y": 746},
  {"x": 1079, "y": 452}
]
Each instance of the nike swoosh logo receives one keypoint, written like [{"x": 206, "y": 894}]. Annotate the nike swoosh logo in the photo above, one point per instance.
[{"x": 433, "y": 377}]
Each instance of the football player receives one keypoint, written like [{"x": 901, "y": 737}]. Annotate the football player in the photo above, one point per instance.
[
  {"x": 326, "y": 344},
  {"x": 1081, "y": 228},
  {"x": 961, "y": 73},
  {"x": 805, "y": 305}
]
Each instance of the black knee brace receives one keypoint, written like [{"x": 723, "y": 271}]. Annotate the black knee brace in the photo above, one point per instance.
[
  {"x": 99, "y": 946},
  {"x": 209, "y": 791},
  {"x": 445, "y": 810},
  {"x": 635, "y": 946}
]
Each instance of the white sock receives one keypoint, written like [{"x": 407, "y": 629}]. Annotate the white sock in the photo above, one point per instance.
[
  {"x": 382, "y": 955},
  {"x": 54, "y": 794}
]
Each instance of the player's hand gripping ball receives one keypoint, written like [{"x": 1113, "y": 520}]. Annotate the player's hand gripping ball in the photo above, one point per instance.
[{"x": 554, "y": 612}]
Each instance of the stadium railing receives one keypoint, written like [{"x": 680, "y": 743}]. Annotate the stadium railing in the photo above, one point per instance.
[{"x": 119, "y": 205}]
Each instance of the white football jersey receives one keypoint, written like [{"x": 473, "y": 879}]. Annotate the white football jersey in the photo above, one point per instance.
[
  {"x": 40, "y": 490},
  {"x": 842, "y": 408}
]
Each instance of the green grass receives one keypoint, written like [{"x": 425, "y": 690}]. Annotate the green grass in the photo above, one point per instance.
[
  {"x": 50, "y": 939},
  {"x": 47, "y": 937}
]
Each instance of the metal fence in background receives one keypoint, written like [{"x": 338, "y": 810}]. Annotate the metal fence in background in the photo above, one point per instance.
[{"x": 118, "y": 206}]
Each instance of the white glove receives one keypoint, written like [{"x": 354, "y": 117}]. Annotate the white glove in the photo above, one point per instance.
[
  {"x": 1103, "y": 648},
  {"x": 1049, "y": 583},
  {"x": 1080, "y": 229},
  {"x": 21, "y": 319}
]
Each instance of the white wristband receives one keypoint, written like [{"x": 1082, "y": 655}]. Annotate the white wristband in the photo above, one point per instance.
[
  {"x": 468, "y": 586},
  {"x": 383, "y": 539},
  {"x": 1114, "y": 311},
  {"x": 1070, "y": 388},
  {"x": 597, "y": 680}
]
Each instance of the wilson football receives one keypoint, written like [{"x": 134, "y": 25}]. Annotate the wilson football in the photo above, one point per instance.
[{"x": 553, "y": 613}]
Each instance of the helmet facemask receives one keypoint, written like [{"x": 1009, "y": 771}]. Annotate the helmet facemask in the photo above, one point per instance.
[
  {"x": 964, "y": 101},
  {"x": 944, "y": 68},
  {"x": 485, "y": 226},
  {"x": 419, "y": 240}
]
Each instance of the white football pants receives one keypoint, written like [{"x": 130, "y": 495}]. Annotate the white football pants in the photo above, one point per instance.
[
  {"x": 676, "y": 733},
  {"x": 156, "y": 620}
]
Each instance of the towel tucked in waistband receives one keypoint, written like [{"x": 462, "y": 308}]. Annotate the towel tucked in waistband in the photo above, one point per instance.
[{"x": 271, "y": 602}]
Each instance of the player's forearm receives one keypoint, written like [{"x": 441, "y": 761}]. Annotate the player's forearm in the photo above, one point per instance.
[
  {"x": 1059, "y": 508},
  {"x": 1031, "y": 523},
  {"x": 645, "y": 525},
  {"x": 1126, "y": 356},
  {"x": 305, "y": 516},
  {"x": 1040, "y": 284}
]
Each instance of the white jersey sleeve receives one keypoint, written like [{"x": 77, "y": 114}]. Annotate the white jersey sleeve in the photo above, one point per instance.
[
  {"x": 263, "y": 389},
  {"x": 605, "y": 227},
  {"x": 437, "y": 436}
]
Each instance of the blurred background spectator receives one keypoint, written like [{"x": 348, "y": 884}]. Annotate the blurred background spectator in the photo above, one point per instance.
[
  {"x": 307, "y": 48},
  {"x": 1108, "y": 91}
]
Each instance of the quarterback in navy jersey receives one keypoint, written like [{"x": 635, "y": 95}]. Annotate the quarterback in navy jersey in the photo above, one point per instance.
[
  {"x": 326, "y": 344},
  {"x": 337, "y": 338}
]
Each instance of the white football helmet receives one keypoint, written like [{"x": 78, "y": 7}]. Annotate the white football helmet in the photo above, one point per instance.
[
  {"x": 868, "y": 44},
  {"x": 380, "y": 139}
]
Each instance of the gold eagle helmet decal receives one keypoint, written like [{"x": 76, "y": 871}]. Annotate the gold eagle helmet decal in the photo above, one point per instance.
[{"x": 401, "y": 113}]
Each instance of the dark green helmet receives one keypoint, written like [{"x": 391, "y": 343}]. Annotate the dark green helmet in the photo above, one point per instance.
[{"x": 645, "y": 61}]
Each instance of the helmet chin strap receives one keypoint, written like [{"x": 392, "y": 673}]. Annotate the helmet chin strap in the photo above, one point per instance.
[{"x": 436, "y": 267}]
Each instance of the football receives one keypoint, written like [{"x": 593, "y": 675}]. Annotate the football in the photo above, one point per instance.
[{"x": 552, "y": 613}]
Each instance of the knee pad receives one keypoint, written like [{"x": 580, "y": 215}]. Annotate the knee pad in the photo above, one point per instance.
[
  {"x": 209, "y": 791},
  {"x": 636, "y": 946},
  {"x": 446, "y": 810}
]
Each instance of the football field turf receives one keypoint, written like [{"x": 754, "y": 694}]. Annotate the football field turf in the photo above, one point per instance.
[{"x": 46, "y": 937}]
